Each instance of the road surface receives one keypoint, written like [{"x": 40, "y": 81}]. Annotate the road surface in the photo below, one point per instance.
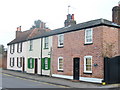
[{"x": 9, "y": 81}]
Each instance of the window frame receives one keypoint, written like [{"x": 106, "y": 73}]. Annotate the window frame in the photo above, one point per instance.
[
  {"x": 61, "y": 39},
  {"x": 19, "y": 47},
  {"x": 46, "y": 65},
  {"x": 31, "y": 45},
  {"x": 46, "y": 43},
  {"x": 12, "y": 48},
  {"x": 91, "y": 36},
  {"x": 19, "y": 62},
  {"x": 59, "y": 63},
  {"x": 85, "y": 57},
  {"x": 12, "y": 60}
]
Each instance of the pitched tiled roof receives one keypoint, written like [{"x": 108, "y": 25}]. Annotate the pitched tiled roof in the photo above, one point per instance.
[
  {"x": 93, "y": 23},
  {"x": 26, "y": 35}
]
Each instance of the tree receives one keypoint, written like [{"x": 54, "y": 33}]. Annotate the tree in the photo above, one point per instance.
[{"x": 1, "y": 49}]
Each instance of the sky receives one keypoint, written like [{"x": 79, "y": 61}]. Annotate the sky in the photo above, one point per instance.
[{"x": 14, "y": 13}]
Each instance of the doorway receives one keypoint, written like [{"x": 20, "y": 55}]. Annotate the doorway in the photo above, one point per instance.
[
  {"x": 36, "y": 65},
  {"x": 23, "y": 65},
  {"x": 76, "y": 64}
]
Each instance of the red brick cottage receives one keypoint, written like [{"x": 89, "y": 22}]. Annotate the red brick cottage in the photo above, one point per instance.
[{"x": 78, "y": 51}]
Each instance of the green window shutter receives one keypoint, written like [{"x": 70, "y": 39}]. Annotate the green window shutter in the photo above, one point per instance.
[
  {"x": 32, "y": 63},
  {"x": 49, "y": 63},
  {"x": 28, "y": 62},
  {"x": 43, "y": 63}
]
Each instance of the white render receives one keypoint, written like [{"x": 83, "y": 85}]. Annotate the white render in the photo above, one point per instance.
[
  {"x": 46, "y": 53},
  {"x": 15, "y": 55},
  {"x": 26, "y": 53}
]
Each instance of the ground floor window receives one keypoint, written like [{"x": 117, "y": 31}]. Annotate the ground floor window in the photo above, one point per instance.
[
  {"x": 88, "y": 64},
  {"x": 11, "y": 62},
  {"x": 60, "y": 63},
  {"x": 30, "y": 63},
  {"x": 19, "y": 62},
  {"x": 46, "y": 63}
]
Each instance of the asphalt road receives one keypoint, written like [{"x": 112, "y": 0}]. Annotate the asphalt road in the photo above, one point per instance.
[{"x": 9, "y": 81}]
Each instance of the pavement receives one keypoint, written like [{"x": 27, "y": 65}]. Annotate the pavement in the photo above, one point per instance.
[{"x": 59, "y": 81}]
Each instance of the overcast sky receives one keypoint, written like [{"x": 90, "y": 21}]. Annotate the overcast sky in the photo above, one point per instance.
[{"x": 14, "y": 13}]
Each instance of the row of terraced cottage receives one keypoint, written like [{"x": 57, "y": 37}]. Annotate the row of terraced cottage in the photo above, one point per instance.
[{"x": 75, "y": 51}]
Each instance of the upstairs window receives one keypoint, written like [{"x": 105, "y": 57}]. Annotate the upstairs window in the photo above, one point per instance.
[
  {"x": 31, "y": 45},
  {"x": 61, "y": 40},
  {"x": 19, "y": 47},
  {"x": 88, "y": 64},
  {"x": 12, "y": 48},
  {"x": 88, "y": 36},
  {"x": 46, "y": 43}
]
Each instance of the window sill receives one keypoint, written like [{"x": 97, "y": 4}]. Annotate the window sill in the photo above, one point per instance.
[
  {"x": 88, "y": 43},
  {"x": 11, "y": 53},
  {"x": 60, "y": 46},
  {"x": 60, "y": 70},
  {"x": 46, "y": 48},
  {"x": 87, "y": 72},
  {"x": 30, "y": 50}
]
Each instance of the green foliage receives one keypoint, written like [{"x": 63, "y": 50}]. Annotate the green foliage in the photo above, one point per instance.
[{"x": 1, "y": 49}]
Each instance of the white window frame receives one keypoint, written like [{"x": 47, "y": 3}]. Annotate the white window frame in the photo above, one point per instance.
[
  {"x": 12, "y": 47},
  {"x": 59, "y": 63},
  {"x": 46, "y": 63},
  {"x": 12, "y": 60},
  {"x": 19, "y": 47},
  {"x": 19, "y": 62},
  {"x": 60, "y": 39},
  {"x": 31, "y": 63},
  {"x": 85, "y": 71},
  {"x": 31, "y": 45},
  {"x": 91, "y": 34},
  {"x": 46, "y": 42}
]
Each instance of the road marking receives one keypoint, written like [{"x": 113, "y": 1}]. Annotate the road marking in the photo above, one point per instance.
[{"x": 35, "y": 81}]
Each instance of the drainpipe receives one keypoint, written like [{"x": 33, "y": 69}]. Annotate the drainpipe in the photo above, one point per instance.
[
  {"x": 51, "y": 62},
  {"x": 41, "y": 54}
]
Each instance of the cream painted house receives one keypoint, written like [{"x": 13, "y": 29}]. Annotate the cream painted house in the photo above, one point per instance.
[{"x": 29, "y": 49}]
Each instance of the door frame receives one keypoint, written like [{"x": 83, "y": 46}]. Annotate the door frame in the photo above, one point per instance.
[
  {"x": 76, "y": 68},
  {"x": 23, "y": 64},
  {"x": 36, "y": 66}
]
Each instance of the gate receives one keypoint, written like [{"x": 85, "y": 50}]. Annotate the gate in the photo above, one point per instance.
[{"x": 112, "y": 70}]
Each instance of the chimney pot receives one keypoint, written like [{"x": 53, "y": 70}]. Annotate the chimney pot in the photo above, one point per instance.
[
  {"x": 119, "y": 3},
  {"x": 72, "y": 16}
]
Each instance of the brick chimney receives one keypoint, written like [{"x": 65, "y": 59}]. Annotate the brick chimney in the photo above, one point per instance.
[
  {"x": 70, "y": 20},
  {"x": 116, "y": 14},
  {"x": 18, "y": 31}
]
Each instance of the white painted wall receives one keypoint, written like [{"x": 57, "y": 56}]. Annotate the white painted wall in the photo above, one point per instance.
[
  {"x": 46, "y": 53},
  {"x": 15, "y": 55},
  {"x": 26, "y": 53},
  {"x": 35, "y": 53}
]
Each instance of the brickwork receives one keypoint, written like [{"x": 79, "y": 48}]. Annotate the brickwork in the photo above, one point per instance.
[{"x": 74, "y": 47}]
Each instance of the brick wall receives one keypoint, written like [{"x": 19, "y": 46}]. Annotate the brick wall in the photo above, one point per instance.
[{"x": 74, "y": 47}]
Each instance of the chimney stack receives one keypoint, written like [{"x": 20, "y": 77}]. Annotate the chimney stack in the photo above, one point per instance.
[
  {"x": 70, "y": 20},
  {"x": 116, "y": 14},
  {"x": 18, "y": 32}
]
